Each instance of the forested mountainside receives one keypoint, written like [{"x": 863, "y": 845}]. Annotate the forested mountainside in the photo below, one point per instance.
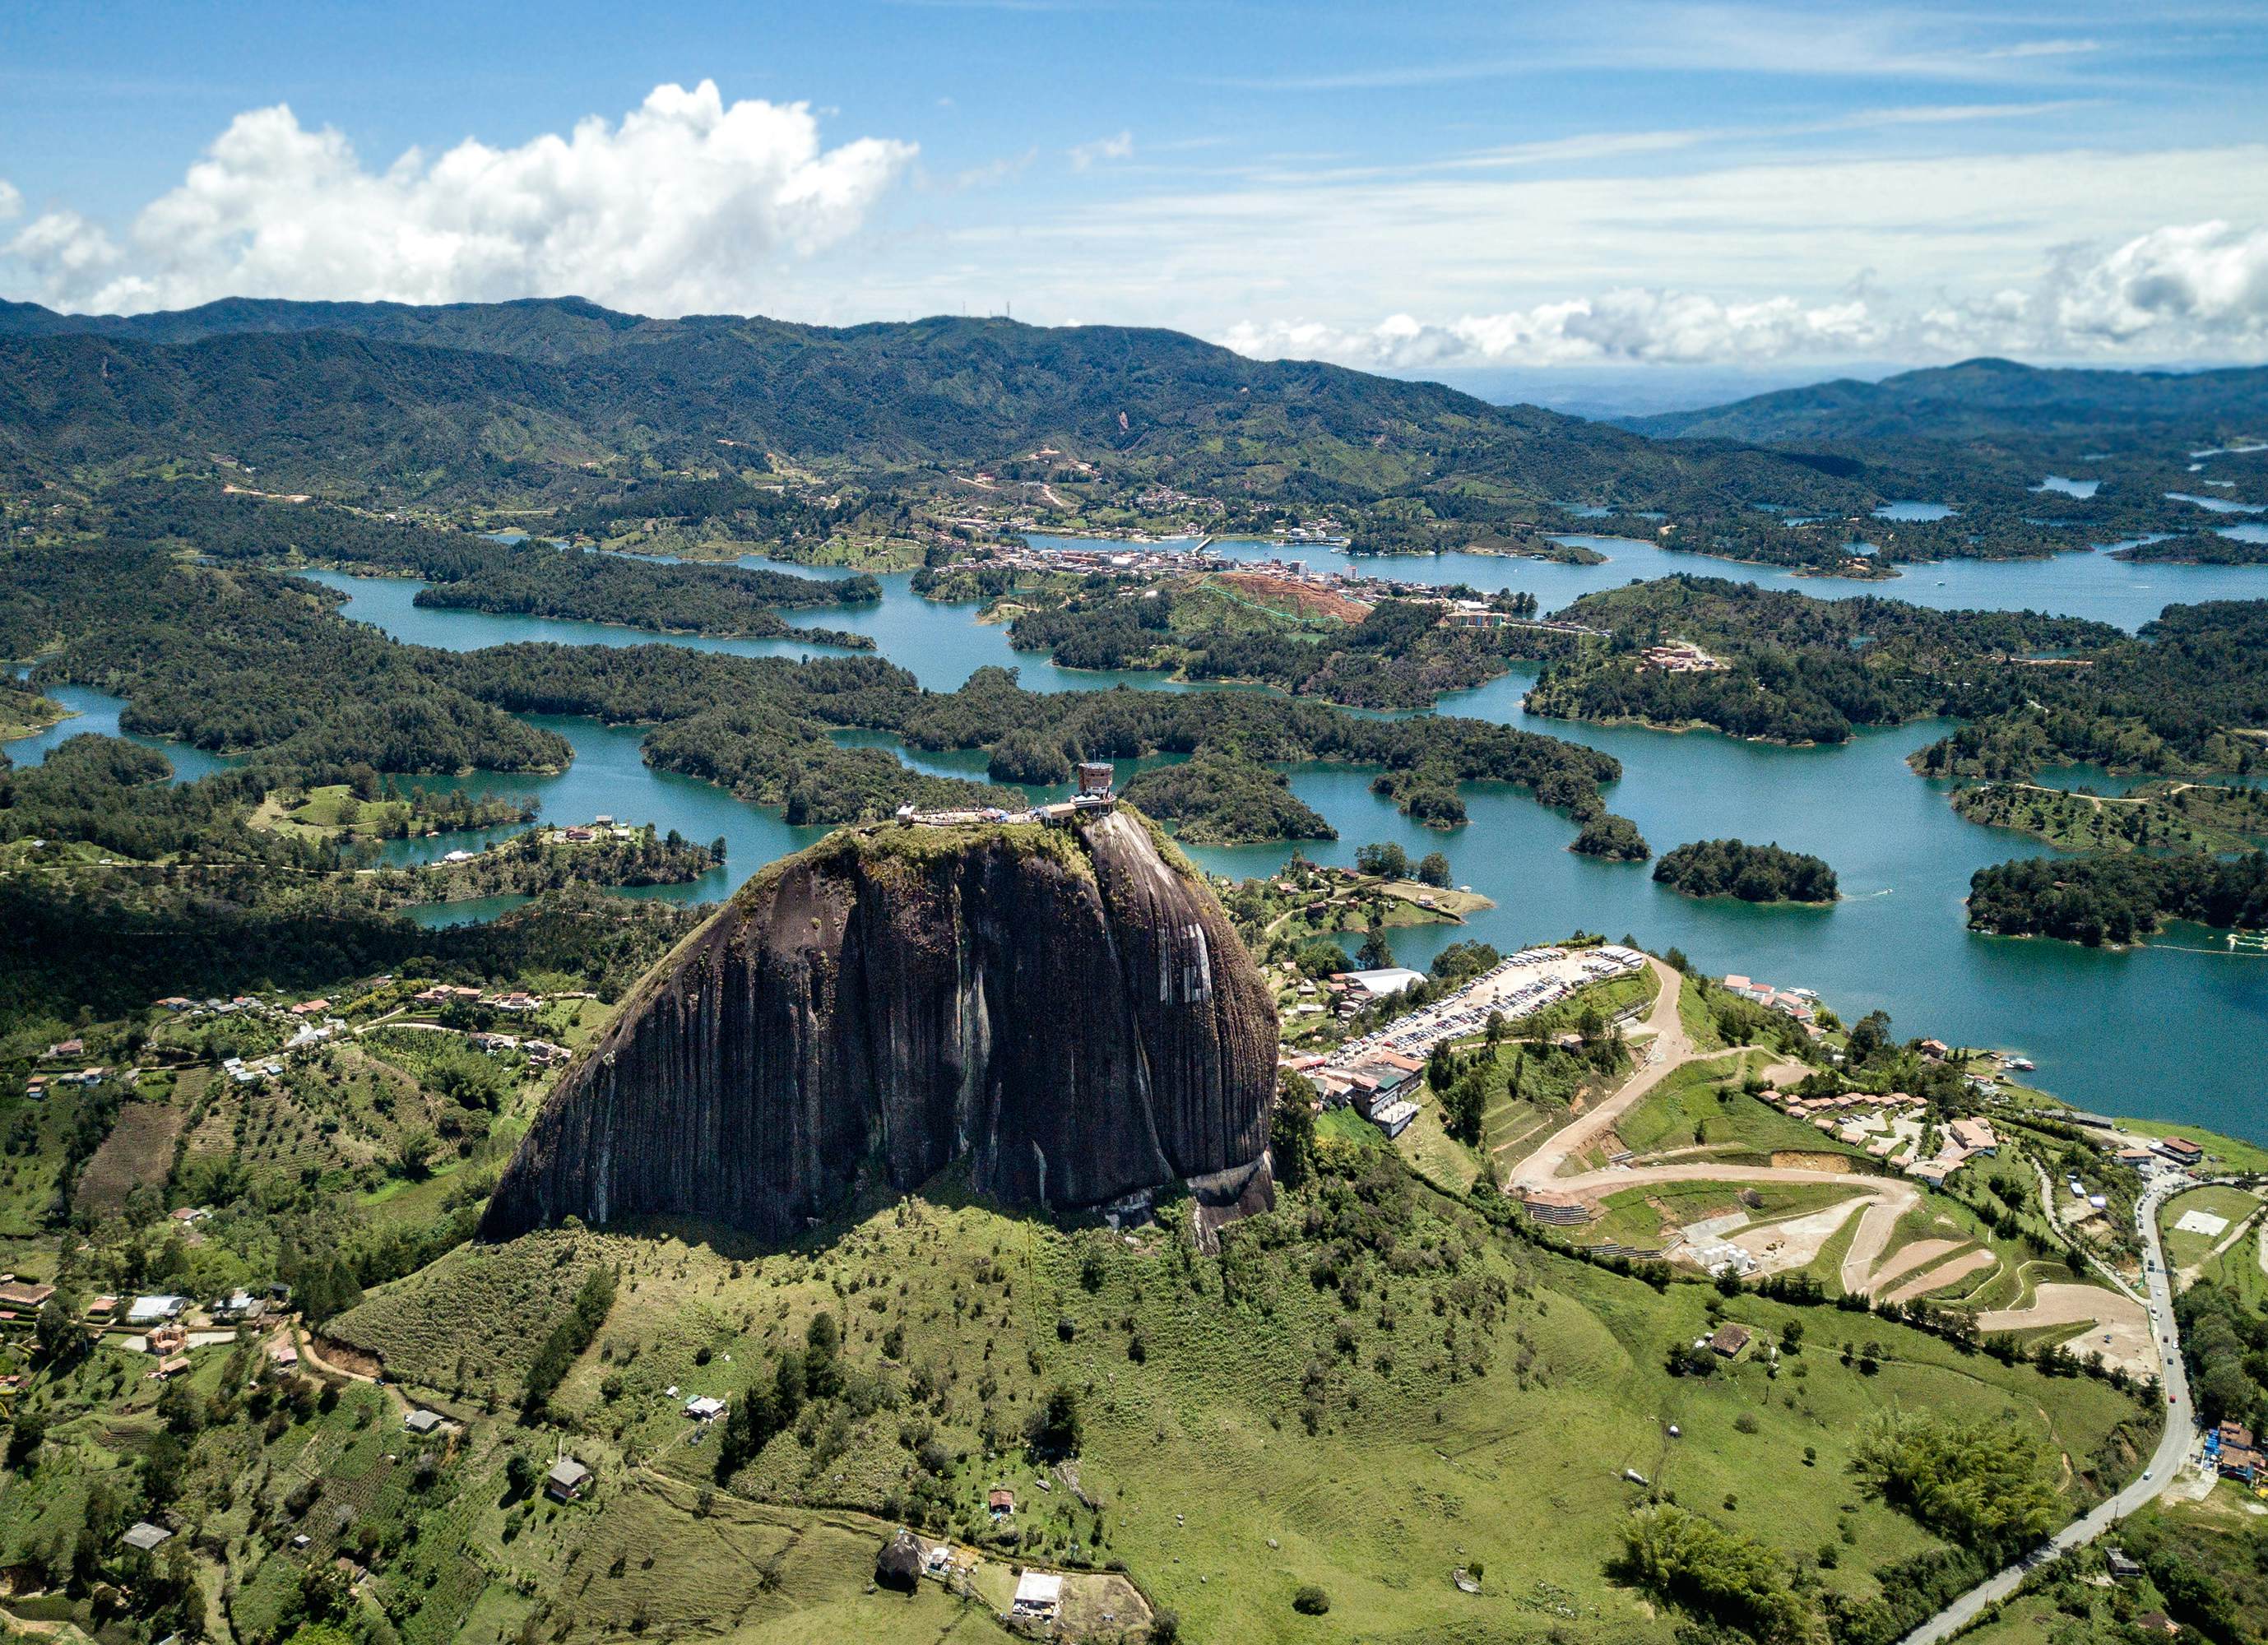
[
  {"x": 322, "y": 394},
  {"x": 1990, "y": 399}
]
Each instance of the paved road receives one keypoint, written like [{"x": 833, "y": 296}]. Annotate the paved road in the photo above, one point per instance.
[{"x": 2172, "y": 1453}]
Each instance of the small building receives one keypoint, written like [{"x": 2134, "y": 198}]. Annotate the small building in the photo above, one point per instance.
[
  {"x": 2181, "y": 1150},
  {"x": 171, "y": 1367},
  {"x": 1393, "y": 1118},
  {"x": 1039, "y": 1596},
  {"x": 1729, "y": 1340},
  {"x": 1095, "y": 777},
  {"x": 1974, "y": 1136},
  {"x": 151, "y": 1310},
  {"x": 2123, "y": 1568},
  {"x": 1000, "y": 1502},
  {"x": 1380, "y": 984},
  {"x": 705, "y": 1408},
  {"x": 284, "y": 1355},
  {"x": 900, "y": 1562},
  {"x": 423, "y": 1421},
  {"x": 102, "y": 1310},
  {"x": 565, "y": 1481},
  {"x": 15, "y": 1293},
  {"x": 146, "y": 1537}
]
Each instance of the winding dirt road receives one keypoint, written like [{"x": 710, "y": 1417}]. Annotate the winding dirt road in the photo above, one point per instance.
[{"x": 1672, "y": 1049}]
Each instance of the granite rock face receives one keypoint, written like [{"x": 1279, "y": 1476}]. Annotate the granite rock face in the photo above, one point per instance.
[{"x": 1065, "y": 1007}]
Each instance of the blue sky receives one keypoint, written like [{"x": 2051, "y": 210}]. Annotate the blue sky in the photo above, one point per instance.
[{"x": 1452, "y": 188}]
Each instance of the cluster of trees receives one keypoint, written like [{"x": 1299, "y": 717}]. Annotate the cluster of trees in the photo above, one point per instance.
[
  {"x": 1985, "y": 1486},
  {"x": 1398, "y": 656},
  {"x": 1224, "y": 798},
  {"x": 556, "y": 1354},
  {"x": 674, "y": 599},
  {"x": 767, "y": 1409},
  {"x": 2225, "y": 1345},
  {"x": 528, "y": 866},
  {"x": 2196, "y": 548},
  {"x": 240, "y": 658},
  {"x": 2117, "y": 898},
  {"x": 113, "y": 941},
  {"x": 1422, "y": 759},
  {"x": 2034, "y": 689},
  {"x": 1388, "y": 860},
  {"x": 1754, "y": 873},
  {"x": 1723, "y": 1575}
]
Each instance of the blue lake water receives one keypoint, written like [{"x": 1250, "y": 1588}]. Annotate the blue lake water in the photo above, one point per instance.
[
  {"x": 2169, "y": 1030},
  {"x": 2218, "y": 505},
  {"x": 1914, "y": 512},
  {"x": 2069, "y": 487}
]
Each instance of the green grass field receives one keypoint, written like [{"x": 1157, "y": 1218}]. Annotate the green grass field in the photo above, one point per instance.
[
  {"x": 1702, "y": 1105},
  {"x": 2185, "y": 1250},
  {"x": 1477, "y": 1404}
]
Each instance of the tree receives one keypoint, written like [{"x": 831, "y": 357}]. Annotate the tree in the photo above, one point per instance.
[
  {"x": 1310, "y": 1601},
  {"x": 1291, "y": 1137},
  {"x": 1384, "y": 858},
  {"x": 1870, "y": 1036},
  {"x": 1433, "y": 869},
  {"x": 1376, "y": 953},
  {"x": 416, "y": 1153},
  {"x": 56, "y": 1333},
  {"x": 26, "y": 1434},
  {"x": 1055, "y": 1428}
]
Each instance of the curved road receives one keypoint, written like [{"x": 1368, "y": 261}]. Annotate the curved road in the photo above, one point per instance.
[
  {"x": 2173, "y": 1447},
  {"x": 1673, "y": 1048}
]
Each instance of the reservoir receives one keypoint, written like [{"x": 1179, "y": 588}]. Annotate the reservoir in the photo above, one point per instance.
[{"x": 2169, "y": 1031}]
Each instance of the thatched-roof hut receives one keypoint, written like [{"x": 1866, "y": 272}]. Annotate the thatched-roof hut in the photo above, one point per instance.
[{"x": 899, "y": 1564}]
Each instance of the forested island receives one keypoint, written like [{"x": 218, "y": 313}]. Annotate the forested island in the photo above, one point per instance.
[
  {"x": 2164, "y": 816},
  {"x": 543, "y": 860},
  {"x": 1753, "y": 873},
  {"x": 2033, "y": 690},
  {"x": 2196, "y": 548},
  {"x": 1222, "y": 798},
  {"x": 1236, "y": 627},
  {"x": 2121, "y": 898}
]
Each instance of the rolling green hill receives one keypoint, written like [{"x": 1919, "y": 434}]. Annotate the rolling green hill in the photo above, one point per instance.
[
  {"x": 327, "y": 395},
  {"x": 1992, "y": 400}
]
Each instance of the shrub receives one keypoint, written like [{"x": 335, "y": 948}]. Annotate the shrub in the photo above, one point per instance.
[{"x": 1310, "y": 1601}]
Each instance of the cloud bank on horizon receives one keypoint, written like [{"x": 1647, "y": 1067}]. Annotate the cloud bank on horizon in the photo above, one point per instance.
[
  {"x": 689, "y": 203},
  {"x": 2193, "y": 289}
]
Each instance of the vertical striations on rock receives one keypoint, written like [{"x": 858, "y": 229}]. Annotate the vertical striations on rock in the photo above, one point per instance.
[{"x": 1065, "y": 1007}]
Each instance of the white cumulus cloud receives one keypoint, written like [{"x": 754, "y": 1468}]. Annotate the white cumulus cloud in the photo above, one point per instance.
[
  {"x": 1638, "y": 325},
  {"x": 676, "y": 207},
  {"x": 2196, "y": 291},
  {"x": 2206, "y": 280}
]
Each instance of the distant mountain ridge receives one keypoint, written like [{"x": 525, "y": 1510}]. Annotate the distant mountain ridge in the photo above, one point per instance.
[
  {"x": 404, "y": 395},
  {"x": 1986, "y": 400}
]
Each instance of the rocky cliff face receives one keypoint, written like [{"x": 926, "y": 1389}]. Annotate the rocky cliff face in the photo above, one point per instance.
[{"x": 1065, "y": 1007}]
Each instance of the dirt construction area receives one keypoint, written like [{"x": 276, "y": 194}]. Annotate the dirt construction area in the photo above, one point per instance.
[
  {"x": 2121, "y": 1327},
  {"x": 1795, "y": 1242}
]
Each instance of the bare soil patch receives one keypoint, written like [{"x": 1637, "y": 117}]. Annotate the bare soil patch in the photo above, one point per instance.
[
  {"x": 2121, "y": 1332},
  {"x": 1944, "y": 1274}
]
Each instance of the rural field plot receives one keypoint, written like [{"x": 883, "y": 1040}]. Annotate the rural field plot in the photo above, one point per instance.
[{"x": 2193, "y": 1223}]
